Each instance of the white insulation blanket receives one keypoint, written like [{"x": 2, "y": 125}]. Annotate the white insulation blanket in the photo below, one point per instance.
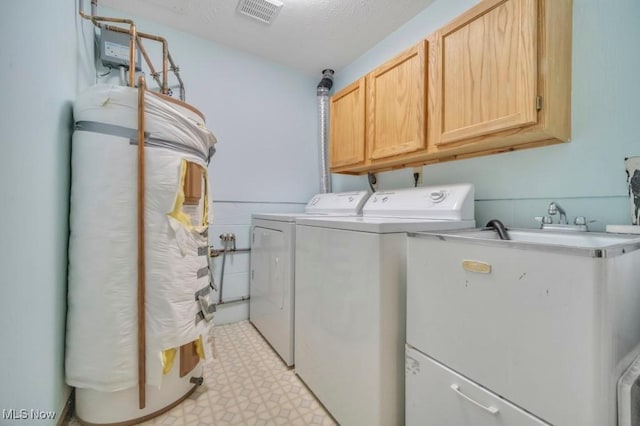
[{"x": 101, "y": 351}]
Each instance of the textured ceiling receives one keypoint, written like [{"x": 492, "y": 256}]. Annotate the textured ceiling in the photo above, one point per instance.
[{"x": 308, "y": 35}]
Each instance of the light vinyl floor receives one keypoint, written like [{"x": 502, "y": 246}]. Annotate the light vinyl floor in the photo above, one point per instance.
[{"x": 247, "y": 384}]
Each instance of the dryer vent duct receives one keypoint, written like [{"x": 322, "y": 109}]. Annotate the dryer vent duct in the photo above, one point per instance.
[
  {"x": 324, "y": 87},
  {"x": 262, "y": 10}
]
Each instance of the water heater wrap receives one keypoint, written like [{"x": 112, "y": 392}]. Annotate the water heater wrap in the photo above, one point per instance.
[{"x": 101, "y": 350}]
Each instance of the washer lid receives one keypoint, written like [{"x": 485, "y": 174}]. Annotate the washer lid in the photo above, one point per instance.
[
  {"x": 337, "y": 203},
  {"x": 444, "y": 202},
  {"x": 383, "y": 225}
]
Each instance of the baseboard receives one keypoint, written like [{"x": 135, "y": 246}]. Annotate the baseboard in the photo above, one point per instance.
[{"x": 67, "y": 410}]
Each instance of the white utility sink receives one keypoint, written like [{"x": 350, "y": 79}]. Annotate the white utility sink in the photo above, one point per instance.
[
  {"x": 542, "y": 239},
  {"x": 548, "y": 320}
]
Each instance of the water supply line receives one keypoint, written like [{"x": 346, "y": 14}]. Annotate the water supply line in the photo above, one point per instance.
[
  {"x": 499, "y": 227},
  {"x": 226, "y": 240},
  {"x": 322, "y": 92},
  {"x": 371, "y": 178},
  {"x": 229, "y": 246}
]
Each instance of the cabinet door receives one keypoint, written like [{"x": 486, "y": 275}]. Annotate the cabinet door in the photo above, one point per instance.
[
  {"x": 486, "y": 70},
  {"x": 397, "y": 105},
  {"x": 438, "y": 396},
  {"x": 347, "y": 121}
]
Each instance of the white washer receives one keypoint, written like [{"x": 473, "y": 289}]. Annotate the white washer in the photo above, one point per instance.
[
  {"x": 272, "y": 266},
  {"x": 351, "y": 299}
]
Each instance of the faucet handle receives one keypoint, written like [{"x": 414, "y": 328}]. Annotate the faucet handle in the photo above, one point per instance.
[
  {"x": 581, "y": 220},
  {"x": 545, "y": 220}
]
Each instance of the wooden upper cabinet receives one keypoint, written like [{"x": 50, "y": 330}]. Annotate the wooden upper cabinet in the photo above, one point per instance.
[
  {"x": 494, "y": 70},
  {"x": 497, "y": 78},
  {"x": 347, "y": 126},
  {"x": 396, "y": 105},
  {"x": 488, "y": 75}
]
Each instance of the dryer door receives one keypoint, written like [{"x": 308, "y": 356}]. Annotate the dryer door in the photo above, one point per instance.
[{"x": 270, "y": 307}]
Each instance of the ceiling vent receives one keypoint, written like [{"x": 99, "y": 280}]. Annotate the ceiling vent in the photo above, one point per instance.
[{"x": 262, "y": 10}]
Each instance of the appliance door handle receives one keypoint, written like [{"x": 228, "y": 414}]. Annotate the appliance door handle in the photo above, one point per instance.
[{"x": 491, "y": 409}]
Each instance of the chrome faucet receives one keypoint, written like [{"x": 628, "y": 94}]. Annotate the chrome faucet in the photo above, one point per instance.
[
  {"x": 555, "y": 208},
  {"x": 579, "y": 224}
]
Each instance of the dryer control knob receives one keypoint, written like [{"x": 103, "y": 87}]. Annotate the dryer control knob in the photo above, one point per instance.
[{"x": 437, "y": 196}]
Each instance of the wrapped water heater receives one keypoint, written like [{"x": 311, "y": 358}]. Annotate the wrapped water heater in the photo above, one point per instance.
[{"x": 102, "y": 359}]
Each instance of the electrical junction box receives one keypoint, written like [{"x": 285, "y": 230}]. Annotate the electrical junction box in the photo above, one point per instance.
[{"x": 114, "y": 49}]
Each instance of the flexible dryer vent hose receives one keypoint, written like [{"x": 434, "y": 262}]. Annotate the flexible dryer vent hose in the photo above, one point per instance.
[{"x": 324, "y": 87}]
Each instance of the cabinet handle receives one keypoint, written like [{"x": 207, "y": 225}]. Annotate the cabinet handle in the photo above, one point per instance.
[{"x": 491, "y": 409}]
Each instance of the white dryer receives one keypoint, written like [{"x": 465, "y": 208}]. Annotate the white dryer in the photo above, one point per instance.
[
  {"x": 351, "y": 299},
  {"x": 271, "y": 303}
]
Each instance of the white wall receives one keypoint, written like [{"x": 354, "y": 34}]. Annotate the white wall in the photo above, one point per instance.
[
  {"x": 586, "y": 175},
  {"x": 264, "y": 116},
  {"x": 42, "y": 70}
]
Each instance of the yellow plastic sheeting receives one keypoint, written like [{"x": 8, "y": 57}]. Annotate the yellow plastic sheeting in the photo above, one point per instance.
[
  {"x": 199, "y": 348},
  {"x": 177, "y": 213},
  {"x": 169, "y": 355},
  {"x": 168, "y": 358}
]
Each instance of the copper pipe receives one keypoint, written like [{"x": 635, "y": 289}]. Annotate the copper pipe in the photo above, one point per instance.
[
  {"x": 135, "y": 41},
  {"x": 165, "y": 72},
  {"x": 132, "y": 32},
  {"x": 138, "y": 42},
  {"x": 132, "y": 55},
  {"x": 176, "y": 71},
  {"x": 165, "y": 55},
  {"x": 97, "y": 19},
  {"x": 142, "y": 86},
  {"x": 154, "y": 74},
  {"x": 152, "y": 70}
]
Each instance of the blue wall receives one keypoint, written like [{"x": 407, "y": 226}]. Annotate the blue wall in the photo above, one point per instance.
[
  {"x": 267, "y": 157},
  {"x": 264, "y": 116},
  {"x": 587, "y": 175},
  {"x": 41, "y": 68}
]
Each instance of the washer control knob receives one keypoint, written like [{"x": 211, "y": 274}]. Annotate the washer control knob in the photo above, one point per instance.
[
  {"x": 350, "y": 199},
  {"x": 375, "y": 199},
  {"x": 385, "y": 199},
  {"x": 314, "y": 201}
]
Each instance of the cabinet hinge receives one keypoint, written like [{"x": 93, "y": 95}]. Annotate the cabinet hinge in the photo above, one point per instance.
[
  {"x": 538, "y": 103},
  {"x": 252, "y": 274},
  {"x": 253, "y": 238}
]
